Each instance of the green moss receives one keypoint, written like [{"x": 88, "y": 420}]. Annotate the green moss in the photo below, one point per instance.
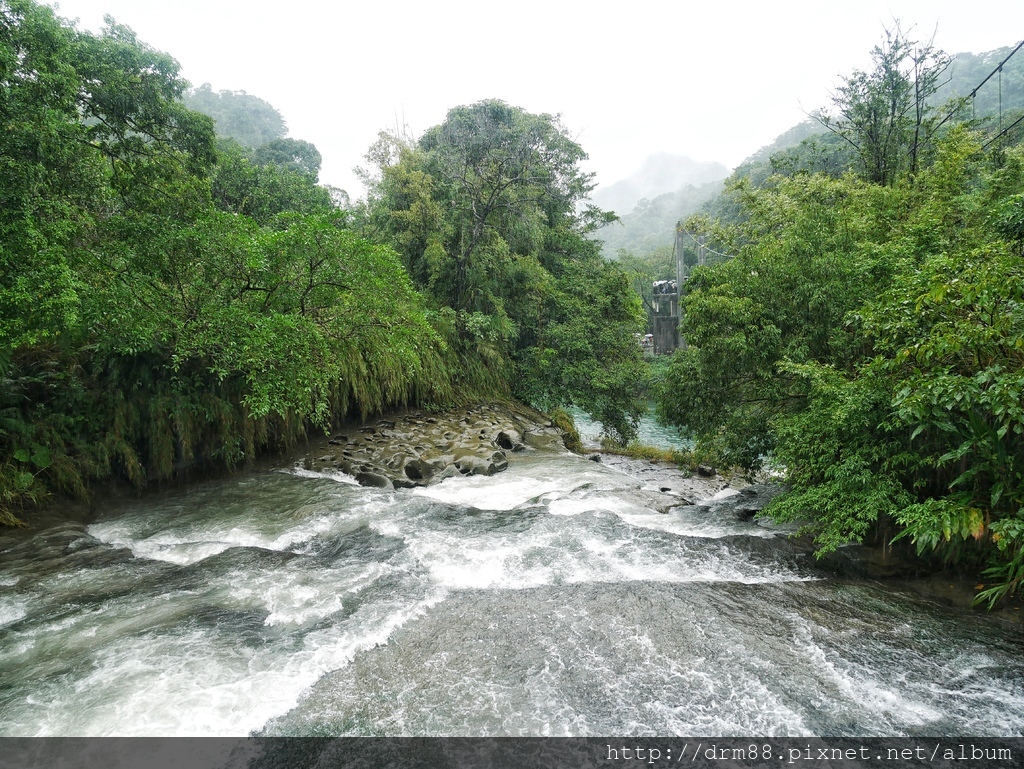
[
  {"x": 682, "y": 458},
  {"x": 564, "y": 422}
]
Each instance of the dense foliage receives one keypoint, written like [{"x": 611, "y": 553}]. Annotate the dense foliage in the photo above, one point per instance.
[
  {"x": 178, "y": 291},
  {"x": 238, "y": 115},
  {"x": 868, "y": 337},
  {"x": 167, "y": 302},
  {"x": 487, "y": 211}
]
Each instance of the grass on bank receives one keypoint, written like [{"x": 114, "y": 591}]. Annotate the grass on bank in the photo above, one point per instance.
[{"x": 682, "y": 458}]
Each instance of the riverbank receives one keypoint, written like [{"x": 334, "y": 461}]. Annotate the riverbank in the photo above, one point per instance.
[
  {"x": 732, "y": 497},
  {"x": 414, "y": 448},
  {"x": 400, "y": 448}
]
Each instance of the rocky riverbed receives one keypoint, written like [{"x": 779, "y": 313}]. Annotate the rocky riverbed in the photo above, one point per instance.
[{"x": 413, "y": 448}]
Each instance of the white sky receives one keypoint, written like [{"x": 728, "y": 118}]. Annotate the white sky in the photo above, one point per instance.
[{"x": 712, "y": 80}]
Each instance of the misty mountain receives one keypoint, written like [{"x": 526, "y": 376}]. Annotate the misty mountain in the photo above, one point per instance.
[
  {"x": 657, "y": 175},
  {"x": 651, "y": 225}
]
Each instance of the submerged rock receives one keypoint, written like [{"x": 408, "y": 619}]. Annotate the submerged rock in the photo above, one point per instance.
[{"x": 747, "y": 503}]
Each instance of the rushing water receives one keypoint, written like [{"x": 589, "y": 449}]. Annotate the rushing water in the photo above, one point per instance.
[{"x": 551, "y": 599}]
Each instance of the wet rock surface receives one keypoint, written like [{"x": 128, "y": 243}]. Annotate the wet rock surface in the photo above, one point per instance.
[
  {"x": 413, "y": 448},
  {"x": 749, "y": 502},
  {"x": 666, "y": 479}
]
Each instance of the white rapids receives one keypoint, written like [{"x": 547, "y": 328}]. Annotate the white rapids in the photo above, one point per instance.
[{"x": 553, "y": 598}]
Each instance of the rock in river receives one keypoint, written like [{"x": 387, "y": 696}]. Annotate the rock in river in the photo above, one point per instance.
[{"x": 408, "y": 449}]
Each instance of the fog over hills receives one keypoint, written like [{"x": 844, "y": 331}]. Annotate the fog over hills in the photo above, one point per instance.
[{"x": 657, "y": 175}]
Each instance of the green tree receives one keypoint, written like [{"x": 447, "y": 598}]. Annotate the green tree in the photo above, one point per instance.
[
  {"x": 166, "y": 304},
  {"x": 803, "y": 262},
  {"x": 507, "y": 175},
  {"x": 884, "y": 114},
  {"x": 954, "y": 354},
  {"x": 92, "y": 127},
  {"x": 44, "y": 173},
  {"x": 91, "y": 123},
  {"x": 488, "y": 211},
  {"x": 242, "y": 185},
  {"x": 291, "y": 154},
  {"x": 238, "y": 115}
]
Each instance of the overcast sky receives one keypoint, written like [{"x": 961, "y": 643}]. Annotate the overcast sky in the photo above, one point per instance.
[{"x": 714, "y": 80}]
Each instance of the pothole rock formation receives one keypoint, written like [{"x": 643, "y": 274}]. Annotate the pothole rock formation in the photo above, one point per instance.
[{"x": 415, "y": 449}]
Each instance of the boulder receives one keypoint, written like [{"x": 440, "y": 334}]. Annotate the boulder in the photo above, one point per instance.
[
  {"x": 548, "y": 439},
  {"x": 370, "y": 478},
  {"x": 749, "y": 502},
  {"x": 471, "y": 464},
  {"x": 510, "y": 440},
  {"x": 417, "y": 470},
  {"x": 499, "y": 461}
]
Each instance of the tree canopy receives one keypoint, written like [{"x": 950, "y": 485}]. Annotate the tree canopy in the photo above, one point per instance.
[
  {"x": 238, "y": 115},
  {"x": 488, "y": 212},
  {"x": 168, "y": 302}
]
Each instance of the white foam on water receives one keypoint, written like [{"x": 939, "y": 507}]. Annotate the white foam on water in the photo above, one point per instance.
[
  {"x": 488, "y": 561},
  {"x": 973, "y": 685},
  {"x": 299, "y": 596},
  {"x": 519, "y": 561},
  {"x": 196, "y": 543},
  {"x": 12, "y": 610},
  {"x": 525, "y": 481},
  {"x": 723, "y": 494},
  {"x": 726, "y": 715},
  {"x": 692, "y": 695},
  {"x": 559, "y": 551},
  {"x": 91, "y": 628},
  {"x": 612, "y": 503},
  {"x": 482, "y": 493},
  {"x": 332, "y": 475},
  {"x": 687, "y": 522},
  {"x": 633, "y": 560},
  {"x": 190, "y": 683},
  {"x": 171, "y": 664},
  {"x": 206, "y": 525},
  {"x": 886, "y": 705}
]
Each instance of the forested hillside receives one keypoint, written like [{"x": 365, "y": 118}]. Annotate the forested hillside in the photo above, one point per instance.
[
  {"x": 966, "y": 86},
  {"x": 867, "y": 337},
  {"x": 171, "y": 301},
  {"x": 650, "y": 225}
]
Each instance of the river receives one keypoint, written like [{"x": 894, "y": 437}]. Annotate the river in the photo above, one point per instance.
[
  {"x": 649, "y": 431},
  {"x": 550, "y": 599}
]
